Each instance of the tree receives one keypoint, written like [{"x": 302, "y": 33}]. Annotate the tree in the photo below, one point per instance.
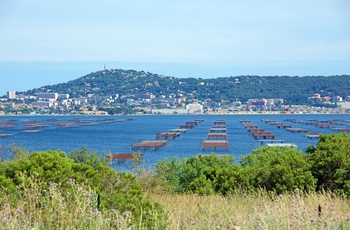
[
  {"x": 330, "y": 161},
  {"x": 281, "y": 169}
]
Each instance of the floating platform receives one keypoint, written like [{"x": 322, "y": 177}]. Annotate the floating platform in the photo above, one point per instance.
[
  {"x": 313, "y": 136},
  {"x": 274, "y": 122},
  {"x": 156, "y": 144},
  {"x": 31, "y": 131},
  {"x": 256, "y": 130},
  {"x": 297, "y": 130},
  {"x": 178, "y": 130},
  {"x": 283, "y": 126},
  {"x": 218, "y": 130},
  {"x": 219, "y": 126},
  {"x": 323, "y": 125},
  {"x": 267, "y": 120},
  {"x": 287, "y": 145},
  {"x": 250, "y": 125},
  {"x": 123, "y": 156},
  {"x": 264, "y": 135},
  {"x": 167, "y": 135},
  {"x": 220, "y": 122},
  {"x": 187, "y": 126},
  {"x": 192, "y": 123},
  {"x": 35, "y": 126},
  {"x": 6, "y": 135},
  {"x": 215, "y": 144},
  {"x": 198, "y": 121},
  {"x": 217, "y": 136},
  {"x": 341, "y": 129},
  {"x": 271, "y": 141},
  {"x": 310, "y": 122}
]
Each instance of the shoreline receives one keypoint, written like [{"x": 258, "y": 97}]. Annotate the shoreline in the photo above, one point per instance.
[{"x": 194, "y": 114}]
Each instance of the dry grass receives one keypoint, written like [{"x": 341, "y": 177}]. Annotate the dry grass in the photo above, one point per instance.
[
  {"x": 53, "y": 208},
  {"x": 60, "y": 209},
  {"x": 256, "y": 211}
]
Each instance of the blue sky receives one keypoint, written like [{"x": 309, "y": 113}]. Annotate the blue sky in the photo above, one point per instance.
[{"x": 46, "y": 42}]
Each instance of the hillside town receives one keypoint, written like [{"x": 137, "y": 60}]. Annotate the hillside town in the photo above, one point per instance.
[{"x": 113, "y": 104}]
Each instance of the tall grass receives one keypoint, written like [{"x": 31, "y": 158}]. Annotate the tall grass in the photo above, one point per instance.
[
  {"x": 258, "y": 210},
  {"x": 70, "y": 206},
  {"x": 74, "y": 206}
]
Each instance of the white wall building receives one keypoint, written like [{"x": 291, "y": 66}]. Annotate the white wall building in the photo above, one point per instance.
[
  {"x": 11, "y": 94},
  {"x": 169, "y": 111},
  {"x": 194, "y": 108},
  {"x": 48, "y": 95},
  {"x": 63, "y": 96}
]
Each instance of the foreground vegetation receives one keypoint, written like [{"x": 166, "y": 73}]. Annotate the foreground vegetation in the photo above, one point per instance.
[{"x": 272, "y": 188}]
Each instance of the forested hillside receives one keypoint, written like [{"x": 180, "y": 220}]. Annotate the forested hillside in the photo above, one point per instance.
[{"x": 294, "y": 90}]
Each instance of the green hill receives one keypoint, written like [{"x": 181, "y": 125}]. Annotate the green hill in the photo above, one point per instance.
[{"x": 294, "y": 90}]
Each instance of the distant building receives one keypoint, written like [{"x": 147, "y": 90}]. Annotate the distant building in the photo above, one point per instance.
[
  {"x": 180, "y": 100},
  {"x": 315, "y": 97},
  {"x": 338, "y": 99},
  {"x": 48, "y": 96},
  {"x": 98, "y": 99},
  {"x": 169, "y": 111},
  {"x": 344, "y": 105},
  {"x": 194, "y": 108},
  {"x": 11, "y": 94},
  {"x": 63, "y": 96},
  {"x": 146, "y": 96},
  {"x": 48, "y": 103}
]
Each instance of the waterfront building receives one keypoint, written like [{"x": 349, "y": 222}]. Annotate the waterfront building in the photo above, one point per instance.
[
  {"x": 194, "y": 108},
  {"x": 169, "y": 111}
]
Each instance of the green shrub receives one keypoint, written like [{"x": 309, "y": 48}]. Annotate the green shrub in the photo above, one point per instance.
[
  {"x": 330, "y": 161},
  {"x": 278, "y": 168},
  {"x": 117, "y": 190},
  {"x": 196, "y": 174}
]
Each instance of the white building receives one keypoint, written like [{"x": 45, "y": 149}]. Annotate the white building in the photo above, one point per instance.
[
  {"x": 169, "y": 111},
  {"x": 194, "y": 108},
  {"x": 11, "y": 94},
  {"x": 63, "y": 96},
  {"x": 48, "y": 95}
]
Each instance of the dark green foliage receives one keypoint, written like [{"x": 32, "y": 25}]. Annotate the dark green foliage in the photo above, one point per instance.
[
  {"x": 294, "y": 90},
  {"x": 201, "y": 174},
  {"x": 330, "y": 161},
  {"x": 87, "y": 157},
  {"x": 120, "y": 191},
  {"x": 279, "y": 168}
]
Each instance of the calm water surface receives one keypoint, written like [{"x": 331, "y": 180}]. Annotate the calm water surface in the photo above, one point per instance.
[{"x": 118, "y": 136}]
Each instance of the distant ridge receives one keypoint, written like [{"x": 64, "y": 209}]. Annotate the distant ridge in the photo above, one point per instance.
[{"x": 294, "y": 90}]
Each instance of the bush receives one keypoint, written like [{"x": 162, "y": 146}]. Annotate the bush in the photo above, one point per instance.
[
  {"x": 195, "y": 174},
  {"x": 278, "y": 168},
  {"x": 119, "y": 191},
  {"x": 330, "y": 161}
]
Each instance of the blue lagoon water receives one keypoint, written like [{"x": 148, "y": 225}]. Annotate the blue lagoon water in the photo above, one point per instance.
[{"x": 117, "y": 137}]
